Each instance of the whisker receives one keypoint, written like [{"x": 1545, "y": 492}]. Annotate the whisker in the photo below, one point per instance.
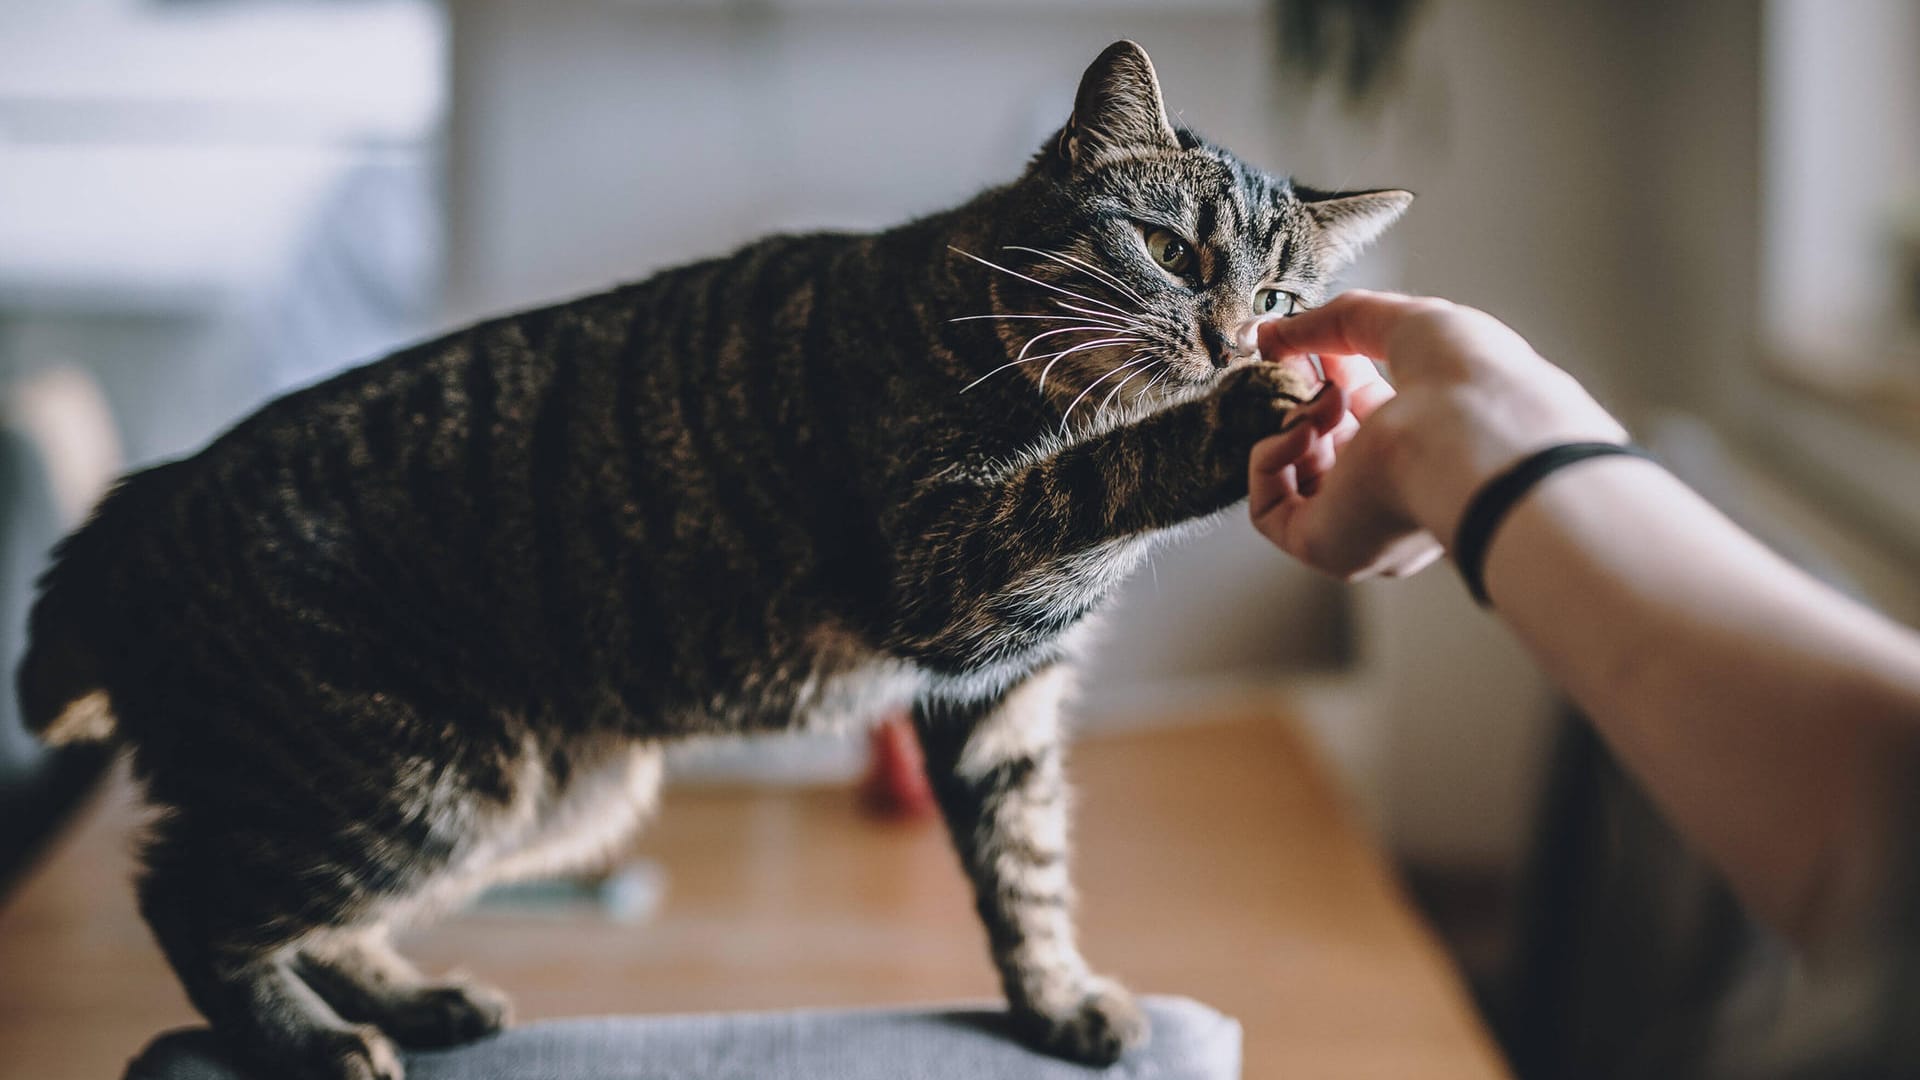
[
  {"x": 1063, "y": 330},
  {"x": 1023, "y": 358},
  {"x": 972, "y": 318},
  {"x": 1043, "y": 284},
  {"x": 1068, "y": 415},
  {"x": 1058, "y": 356},
  {"x": 1132, "y": 320},
  {"x": 1045, "y": 371},
  {"x": 1156, "y": 381},
  {"x": 1074, "y": 323},
  {"x": 1123, "y": 385},
  {"x": 1135, "y": 354},
  {"x": 1062, "y": 257},
  {"x": 991, "y": 374},
  {"x": 1138, "y": 324}
]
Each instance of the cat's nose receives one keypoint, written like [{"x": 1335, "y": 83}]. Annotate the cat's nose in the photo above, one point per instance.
[{"x": 1218, "y": 346}]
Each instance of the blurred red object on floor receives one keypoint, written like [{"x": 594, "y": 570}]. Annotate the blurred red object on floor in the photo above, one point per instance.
[{"x": 896, "y": 784}]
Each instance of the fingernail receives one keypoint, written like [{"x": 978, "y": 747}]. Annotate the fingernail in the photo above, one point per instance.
[{"x": 1246, "y": 339}]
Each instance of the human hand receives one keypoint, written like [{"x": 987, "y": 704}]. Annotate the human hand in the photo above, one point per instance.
[{"x": 1470, "y": 398}]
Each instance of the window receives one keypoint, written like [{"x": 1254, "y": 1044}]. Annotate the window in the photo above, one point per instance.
[{"x": 1840, "y": 287}]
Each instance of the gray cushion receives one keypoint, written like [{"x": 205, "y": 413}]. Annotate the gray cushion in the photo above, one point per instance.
[{"x": 1190, "y": 1042}]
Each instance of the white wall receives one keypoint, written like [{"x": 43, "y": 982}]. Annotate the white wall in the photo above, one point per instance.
[
  {"x": 1506, "y": 124},
  {"x": 1589, "y": 173},
  {"x": 1843, "y": 161}
]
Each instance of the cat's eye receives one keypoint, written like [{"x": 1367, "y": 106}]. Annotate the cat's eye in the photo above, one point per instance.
[
  {"x": 1172, "y": 253},
  {"x": 1275, "y": 302}
]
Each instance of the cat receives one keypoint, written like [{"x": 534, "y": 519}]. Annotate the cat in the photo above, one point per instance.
[{"x": 427, "y": 625}]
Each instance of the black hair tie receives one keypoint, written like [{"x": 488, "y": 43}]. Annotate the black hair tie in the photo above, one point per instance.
[{"x": 1497, "y": 497}]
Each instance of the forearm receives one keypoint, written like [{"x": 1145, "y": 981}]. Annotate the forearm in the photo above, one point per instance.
[{"x": 1773, "y": 720}]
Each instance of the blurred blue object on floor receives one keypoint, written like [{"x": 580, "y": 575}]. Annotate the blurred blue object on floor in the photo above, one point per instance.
[{"x": 628, "y": 893}]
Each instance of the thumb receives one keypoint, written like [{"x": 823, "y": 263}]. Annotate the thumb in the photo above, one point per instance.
[{"x": 1270, "y": 474}]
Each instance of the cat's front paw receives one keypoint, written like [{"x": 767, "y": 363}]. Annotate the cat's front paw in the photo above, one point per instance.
[
  {"x": 1250, "y": 403},
  {"x": 1096, "y": 1030},
  {"x": 1253, "y": 401}
]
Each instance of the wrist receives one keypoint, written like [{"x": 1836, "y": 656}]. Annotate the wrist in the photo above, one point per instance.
[
  {"x": 1435, "y": 490},
  {"x": 1437, "y": 478},
  {"x": 1501, "y": 496}
]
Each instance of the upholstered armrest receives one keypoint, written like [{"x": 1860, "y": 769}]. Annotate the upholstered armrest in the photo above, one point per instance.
[{"x": 1190, "y": 1042}]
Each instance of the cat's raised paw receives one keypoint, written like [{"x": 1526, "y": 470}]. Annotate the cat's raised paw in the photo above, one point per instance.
[
  {"x": 1106, "y": 1024},
  {"x": 448, "y": 1014},
  {"x": 1249, "y": 404},
  {"x": 1253, "y": 403}
]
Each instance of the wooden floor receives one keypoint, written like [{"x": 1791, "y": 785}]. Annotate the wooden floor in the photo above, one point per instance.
[{"x": 1215, "y": 861}]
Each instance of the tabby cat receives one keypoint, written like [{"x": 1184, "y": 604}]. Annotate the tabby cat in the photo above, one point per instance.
[{"x": 428, "y": 625}]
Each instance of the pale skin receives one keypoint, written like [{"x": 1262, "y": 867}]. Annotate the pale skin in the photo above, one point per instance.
[{"x": 1774, "y": 721}]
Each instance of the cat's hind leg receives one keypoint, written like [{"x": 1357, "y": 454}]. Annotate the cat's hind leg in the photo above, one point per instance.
[
  {"x": 361, "y": 975},
  {"x": 233, "y": 950},
  {"x": 590, "y": 798},
  {"x": 598, "y": 794},
  {"x": 996, "y": 770}
]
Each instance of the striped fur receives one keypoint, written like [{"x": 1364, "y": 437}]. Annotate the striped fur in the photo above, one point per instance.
[{"x": 427, "y": 624}]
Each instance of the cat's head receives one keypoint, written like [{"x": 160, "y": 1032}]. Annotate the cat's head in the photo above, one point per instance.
[{"x": 1134, "y": 248}]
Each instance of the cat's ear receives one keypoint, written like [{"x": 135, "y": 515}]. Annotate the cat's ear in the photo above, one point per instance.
[
  {"x": 1117, "y": 109},
  {"x": 1349, "y": 221}
]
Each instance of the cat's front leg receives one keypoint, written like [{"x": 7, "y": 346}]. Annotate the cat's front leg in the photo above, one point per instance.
[
  {"x": 996, "y": 770},
  {"x": 977, "y": 546}
]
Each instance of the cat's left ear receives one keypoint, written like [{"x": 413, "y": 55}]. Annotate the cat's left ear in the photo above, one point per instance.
[
  {"x": 1117, "y": 109},
  {"x": 1349, "y": 221}
]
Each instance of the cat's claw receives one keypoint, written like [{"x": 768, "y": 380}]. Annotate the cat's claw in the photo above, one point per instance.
[{"x": 1105, "y": 1025}]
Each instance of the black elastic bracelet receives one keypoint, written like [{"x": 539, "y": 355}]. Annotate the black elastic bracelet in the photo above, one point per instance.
[{"x": 1490, "y": 505}]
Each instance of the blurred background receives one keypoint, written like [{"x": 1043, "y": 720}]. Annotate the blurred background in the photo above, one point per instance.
[{"x": 1709, "y": 212}]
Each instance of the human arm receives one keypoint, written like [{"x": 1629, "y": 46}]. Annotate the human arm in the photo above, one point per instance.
[{"x": 1773, "y": 720}]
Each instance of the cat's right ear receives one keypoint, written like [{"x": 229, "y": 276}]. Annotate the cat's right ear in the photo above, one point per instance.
[{"x": 1117, "y": 110}]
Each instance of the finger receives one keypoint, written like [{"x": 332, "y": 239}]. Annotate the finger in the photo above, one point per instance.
[
  {"x": 1314, "y": 463},
  {"x": 1350, "y": 370},
  {"x": 1341, "y": 529},
  {"x": 1354, "y": 322},
  {"x": 1362, "y": 379},
  {"x": 1323, "y": 413},
  {"x": 1266, "y": 490},
  {"x": 1275, "y": 520},
  {"x": 1276, "y": 452},
  {"x": 1344, "y": 431},
  {"x": 1325, "y": 410}
]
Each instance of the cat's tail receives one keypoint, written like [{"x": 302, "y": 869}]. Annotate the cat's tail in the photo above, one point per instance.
[{"x": 62, "y": 679}]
